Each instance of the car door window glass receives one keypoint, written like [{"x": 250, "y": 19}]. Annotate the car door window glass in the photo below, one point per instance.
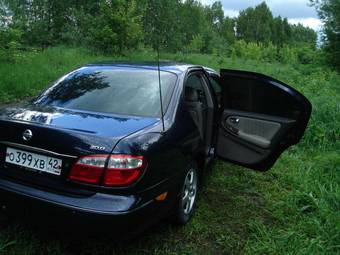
[
  {"x": 194, "y": 82},
  {"x": 217, "y": 90},
  {"x": 253, "y": 95}
]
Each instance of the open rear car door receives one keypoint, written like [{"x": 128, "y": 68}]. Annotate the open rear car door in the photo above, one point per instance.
[{"x": 261, "y": 118}]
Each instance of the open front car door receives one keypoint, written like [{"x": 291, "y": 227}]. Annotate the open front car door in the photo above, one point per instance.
[{"x": 261, "y": 118}]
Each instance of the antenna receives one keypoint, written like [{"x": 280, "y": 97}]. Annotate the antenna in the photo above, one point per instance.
[
  {"x": 155, "y": 25},
  {"x": 160, "y": 88}
]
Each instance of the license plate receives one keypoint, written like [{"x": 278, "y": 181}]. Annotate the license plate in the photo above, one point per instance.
[{"x": 34, "y": 161}]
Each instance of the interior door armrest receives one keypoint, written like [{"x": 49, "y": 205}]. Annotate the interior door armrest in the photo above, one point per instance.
[{"x": 255, "y": 139}]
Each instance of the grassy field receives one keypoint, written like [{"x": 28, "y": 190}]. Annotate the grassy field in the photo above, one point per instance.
[{"x": 292, "y": 209}]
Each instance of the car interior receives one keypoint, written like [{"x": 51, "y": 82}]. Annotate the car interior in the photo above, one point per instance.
[
  {"x": 200, "y": 106},
  {"x": 260, "y": 118}
]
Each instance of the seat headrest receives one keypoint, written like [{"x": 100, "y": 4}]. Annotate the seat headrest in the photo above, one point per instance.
[{"x": 191, "y": 94}]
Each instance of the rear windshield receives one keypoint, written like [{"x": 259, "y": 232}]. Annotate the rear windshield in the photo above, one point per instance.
[{"x": 121, "y": 90}]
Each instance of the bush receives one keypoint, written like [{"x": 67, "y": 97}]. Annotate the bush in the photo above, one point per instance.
[
  {"x": 269, "y": 53},
  {"x": 306, "y": 55},
  {"x": 240, "y": 48},
  {"x": 10, "y": 39},
  {"x": 302, "y": 54},
  {"x": 196, "y": 45},
  {"x": 253, "y": 51},
  {"x": 287, "y": 55}
]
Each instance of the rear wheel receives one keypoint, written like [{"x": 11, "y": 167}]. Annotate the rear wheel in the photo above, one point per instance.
[{"x": 187, "y": 201}]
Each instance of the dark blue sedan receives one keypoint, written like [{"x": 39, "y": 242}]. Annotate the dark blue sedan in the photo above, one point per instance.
[{"x": 128, "y": 142}]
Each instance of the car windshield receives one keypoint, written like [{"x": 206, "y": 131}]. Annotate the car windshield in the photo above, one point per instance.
[{"x": 111, "y": 89}]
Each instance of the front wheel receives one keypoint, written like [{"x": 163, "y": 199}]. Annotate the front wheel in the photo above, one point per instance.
[{"x": 187, "y": 201}]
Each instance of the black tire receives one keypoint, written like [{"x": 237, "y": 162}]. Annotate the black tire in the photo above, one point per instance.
[{"x": 185, "y": 206}]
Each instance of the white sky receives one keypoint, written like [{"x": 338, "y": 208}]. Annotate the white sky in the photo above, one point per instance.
[{"x": 297, "y": 11}]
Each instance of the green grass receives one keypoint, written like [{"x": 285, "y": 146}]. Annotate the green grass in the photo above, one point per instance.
[{"x": 292, "y": 209}]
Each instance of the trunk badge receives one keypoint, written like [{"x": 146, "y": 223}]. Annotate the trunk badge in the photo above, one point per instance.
[
  {"x": 27, "y": 135},
  {"x": 96, "y": 147}
]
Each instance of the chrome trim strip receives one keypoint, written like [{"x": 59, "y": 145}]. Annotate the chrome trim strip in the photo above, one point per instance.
[{"x": 22, "y": 146}]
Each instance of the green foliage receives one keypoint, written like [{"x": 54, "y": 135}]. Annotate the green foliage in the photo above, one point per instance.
[
  {"x": 258, "y": 25},
  {"x": 253, "y": 51},
  {"x": 196, "y": 45},
  {"x": 168, "y": 25},
  {"x": 162, "y": 25},
  {"x": 306, "y": 55},
  {"x": 329, "y": 12},
  {"x": 254, "y": 24},
  {"x": 270, "y": 53},
  {"x": 3, "y": 14},
  {"x": 10, "y": 40},
  {"x": 302, "y": 35},
  {"x": 292, "y": 209},
  {"x": 41, "y": 20},
  {"x": 116, "y": 28},
  {"x": 287, "y": 55},
  {"x": 281, "y": 31}
]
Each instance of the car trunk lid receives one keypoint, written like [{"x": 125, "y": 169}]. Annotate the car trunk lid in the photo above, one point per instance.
[{"x": 60, "y": 133}]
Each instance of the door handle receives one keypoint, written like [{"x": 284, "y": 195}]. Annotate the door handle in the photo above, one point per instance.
[
  {"x": 234, "y": 120},
  {"x": 231, "y": 124},
  {"x": 231, "y": 128}
]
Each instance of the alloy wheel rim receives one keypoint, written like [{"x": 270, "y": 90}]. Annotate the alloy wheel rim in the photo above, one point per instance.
[{"x": 189, "y": 191}]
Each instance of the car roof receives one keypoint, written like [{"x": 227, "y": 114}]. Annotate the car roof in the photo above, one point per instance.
[{"x": 175, "y": 67}]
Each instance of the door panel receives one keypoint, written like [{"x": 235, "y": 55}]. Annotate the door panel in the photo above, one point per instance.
[
  {"x": 250, "y": 139},
  {"x": 257, "y": 131},
  {"x": 260, "y": 119}
]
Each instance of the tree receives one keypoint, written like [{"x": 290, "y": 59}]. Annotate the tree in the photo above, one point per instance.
[
  {"x": 40, "y": 20},
  {"x": 9, "y": 43},
  {"x": 45, "y": 21},
  {"x": 163, "y": 24},
  {"x": 197, "y": 22},
  {"x": 329, "y": 12},
  {"x": 3, "y": 14},
  {"x": 196, "y": 44},
  {"x": 254, "y": 24},
  {"x": 281, "y": 31},
  {"x": 223, "y": 27},
  {"x": 217, "y": 14},
  {"x": 227, "y": 30},
  {"x": 170, "y": 25},
  {"x": 117, "y": 27},
  {"x": 303, "y": 36}
]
